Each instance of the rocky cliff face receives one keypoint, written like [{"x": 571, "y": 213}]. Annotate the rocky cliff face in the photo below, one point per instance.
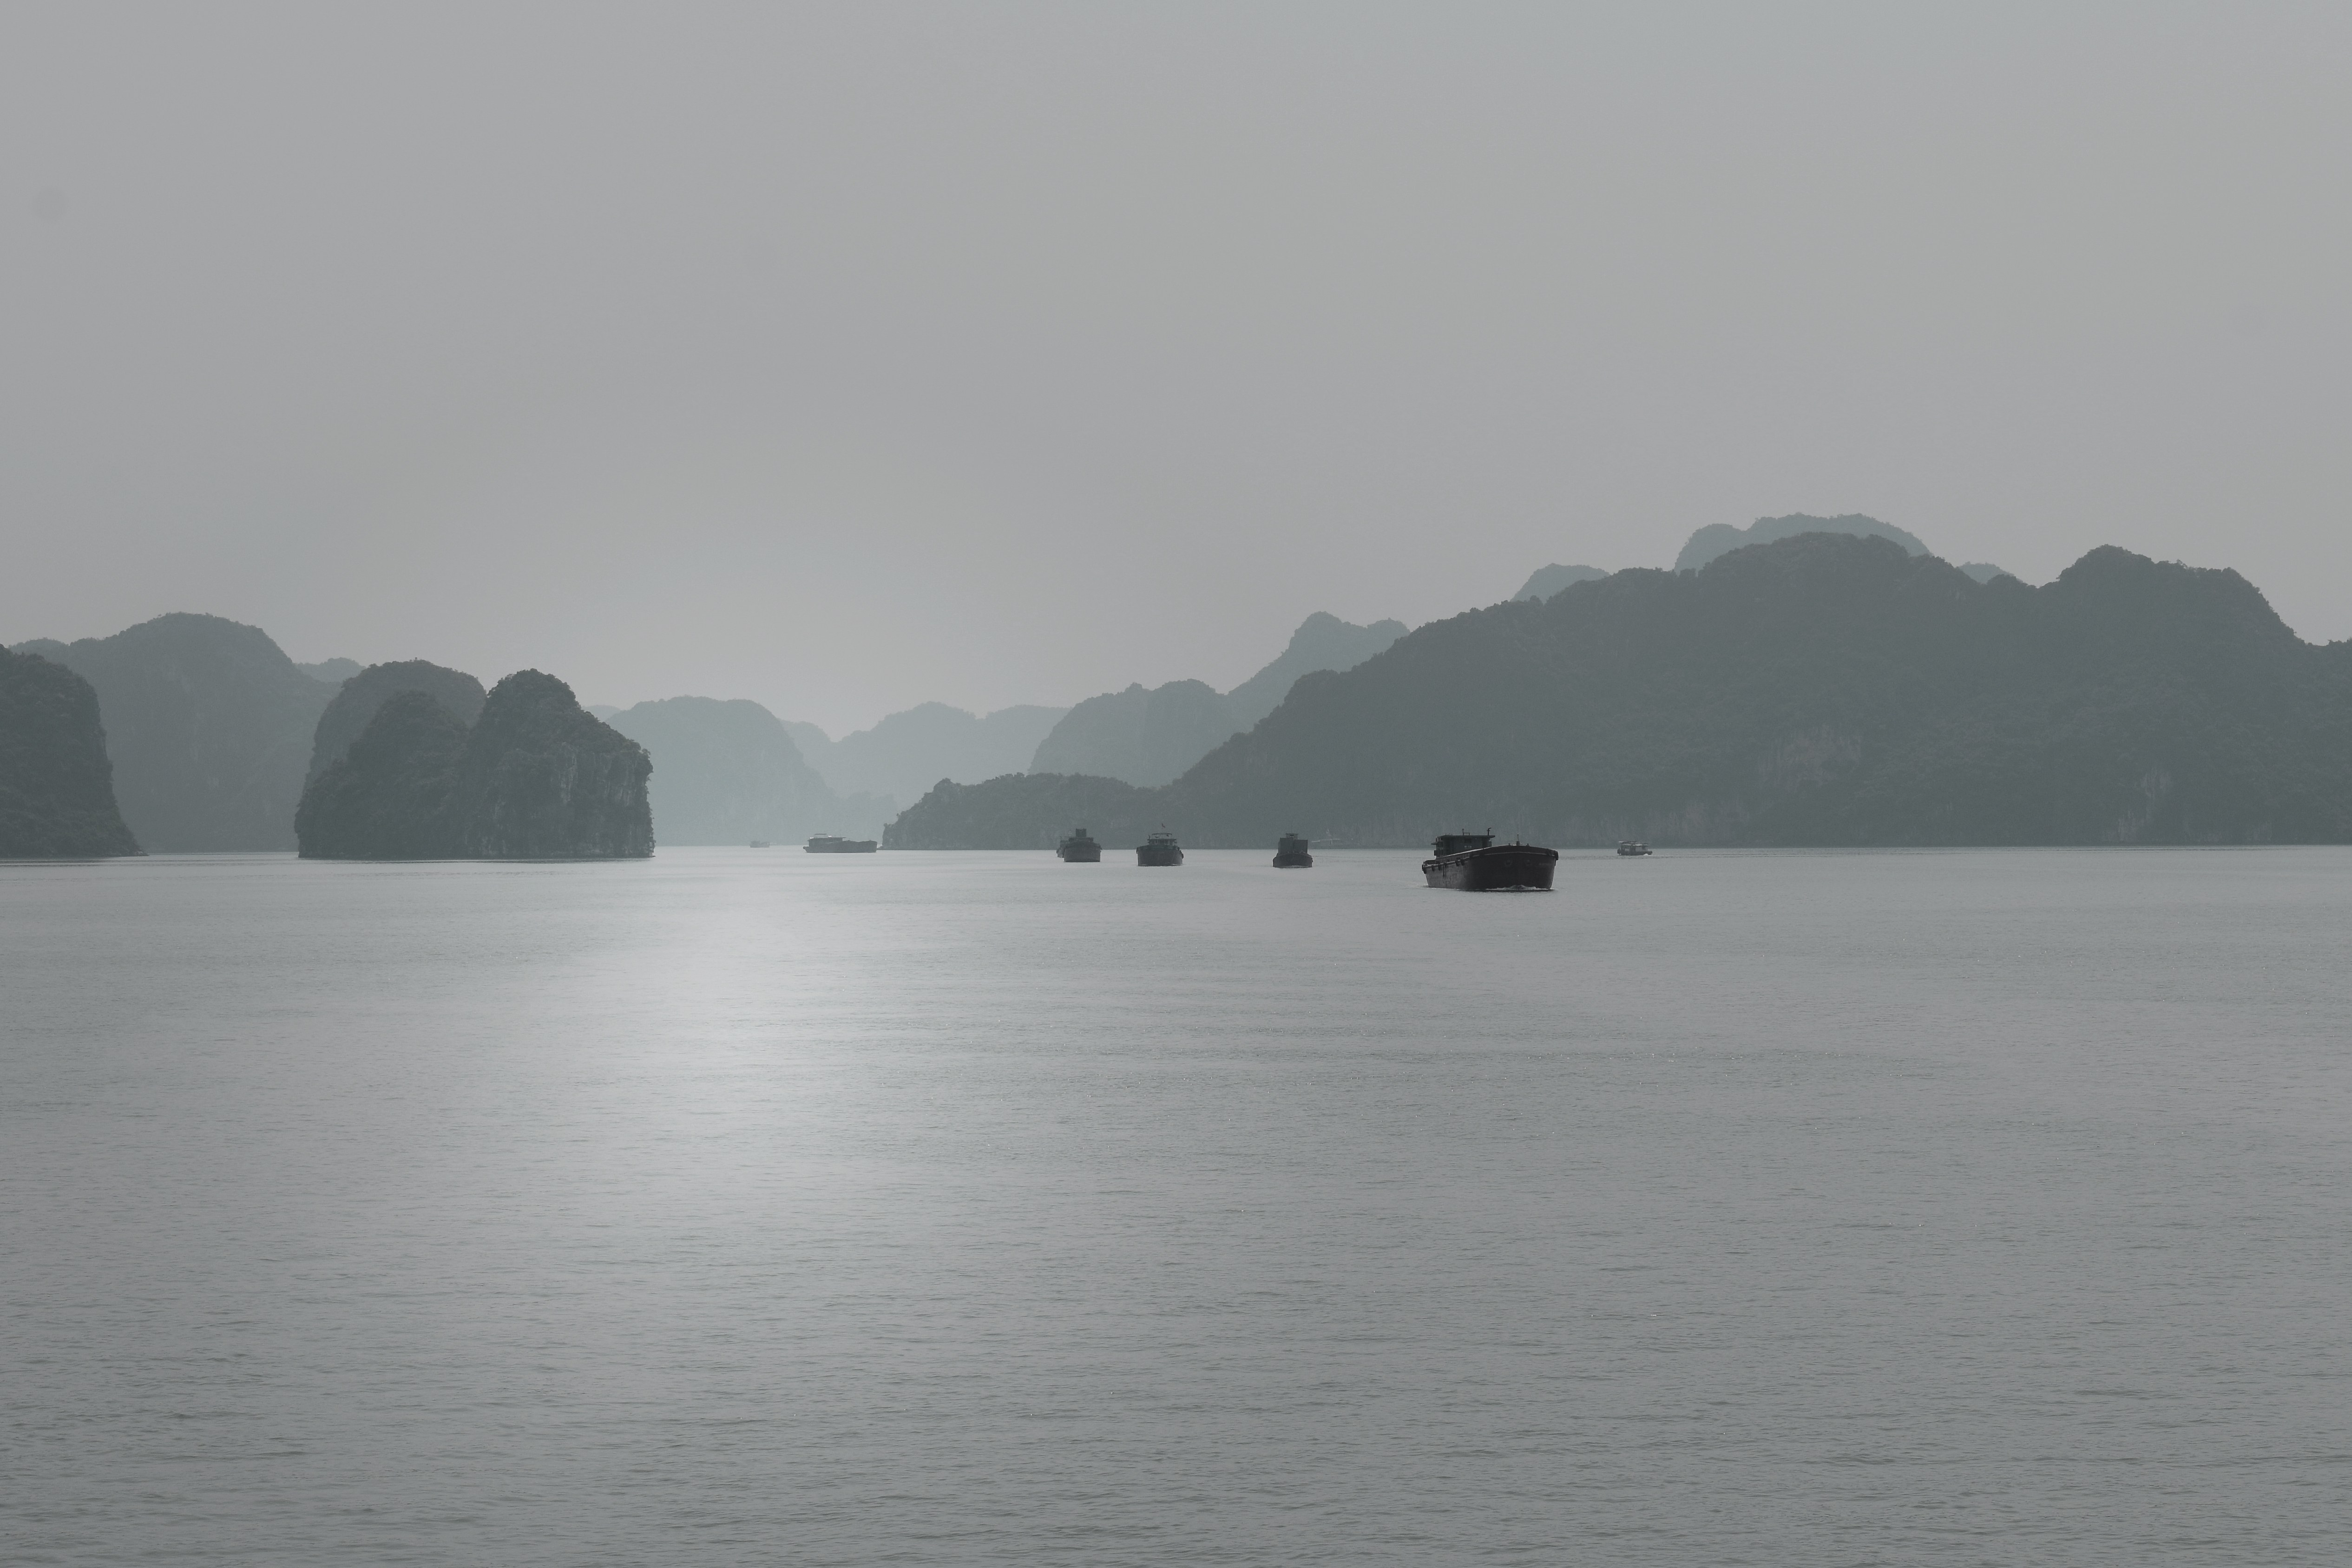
[
  {"x": 392, "y": 795},
  {"x": 364, "y": 691},
  {"x": 57, "y": 788},
  {"x": 208, "y": 725},
  {"x": 534, "y": 777},
  {"x": 544, "y": 778}
]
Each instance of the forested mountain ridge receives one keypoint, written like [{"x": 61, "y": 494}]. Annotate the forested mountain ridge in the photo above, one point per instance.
[
  {"x": 1323, "y": 641},
  {"x": 1546, "y": 581},
  {"x": 1823, "y": 690}
]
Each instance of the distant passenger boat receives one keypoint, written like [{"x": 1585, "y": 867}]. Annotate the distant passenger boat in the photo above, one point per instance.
[
  {"x": 1475, "y": 863},
  {"x": 1291, "y": 852},
  {"x": 829, "y": 845},
  {"x": 1159, "y": 849},
  {"x": 759, "y": 844},
  {"x": 1631, "y": 847},
  {"x": 1078, "y": 847}
]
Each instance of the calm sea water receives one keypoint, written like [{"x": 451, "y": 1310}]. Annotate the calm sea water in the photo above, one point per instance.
[{"x": 760, "y": 1208}]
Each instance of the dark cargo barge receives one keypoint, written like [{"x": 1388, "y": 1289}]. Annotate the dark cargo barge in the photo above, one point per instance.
[
  {"x": 1291, "y": 854},
  {"x": 1475, "y": 863},
  {"x": 834, "y": 845},
  {"x": 1080, "y": 849}
]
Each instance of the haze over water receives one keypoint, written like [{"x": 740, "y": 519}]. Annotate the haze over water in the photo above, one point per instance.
[{"x": 750, "y": 1207}]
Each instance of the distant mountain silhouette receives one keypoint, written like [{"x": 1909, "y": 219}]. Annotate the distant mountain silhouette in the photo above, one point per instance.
[
  {"x": 1135, "y": 735},
  {"x": 535, "y": 777},
  {"x": 1150, "y": 736},
  {"x": 1824, "y": 689},
  {"x": 1549, "y": 579},
  {"x": 1323, "y": 641},
  {"x": 208, "y": 725},
  {"x": 1720, "y": 539},
  {"x": 331, "y": 671},
  {"x": 906, "y": 753},
  {"x": 1024, "y": 812},
  {"x": 1984, "y": 571},
  {"x": 728, "y": 772},
  {"x": 57, "y": 788},
  {"x": 364, "y": 691}
]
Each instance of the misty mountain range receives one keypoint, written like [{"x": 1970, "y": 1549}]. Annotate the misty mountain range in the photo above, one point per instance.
[
  {"x": 1721, "y": 538},
  {"x": 908, "y": 752},
  {"x": 211, "y": 733},
  {"x": 731, "y": 772},
  {"x": 1149, "y": 737},
  {"x": 1821, "y": 689}
]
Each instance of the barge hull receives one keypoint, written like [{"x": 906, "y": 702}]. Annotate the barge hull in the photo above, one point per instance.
[{"x": 1502, "y": 868}]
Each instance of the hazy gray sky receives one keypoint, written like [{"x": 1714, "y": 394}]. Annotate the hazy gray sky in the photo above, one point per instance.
[{"x": 844, "y": 357}]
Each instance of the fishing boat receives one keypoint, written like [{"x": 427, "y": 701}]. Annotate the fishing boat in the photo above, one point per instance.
[
  {"x": 1159, "y": 849},
  {"x": 1631, "y": 847},
  {"x": 1291, "y": 852},
  {"x": 1079, "y": 847},
  {"x": 833, "y": 844},
  {"x": 1475, "y": 863}
]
